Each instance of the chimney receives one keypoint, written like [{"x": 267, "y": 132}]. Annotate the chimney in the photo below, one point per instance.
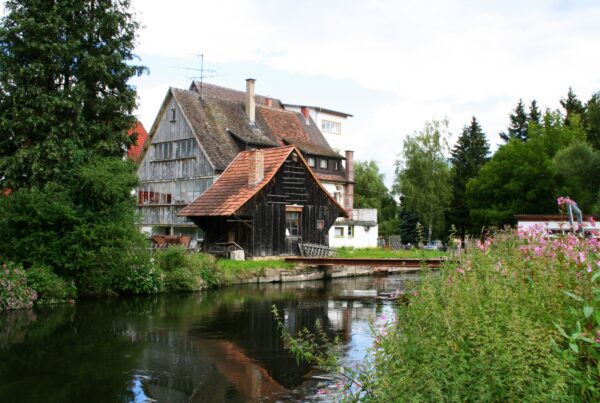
[
  {"x": 268, "y": 102},
  {"x": 256, "y": 167},
  {"x": 349, "y": 186},
  {"x": 305, "y": 112},
  {"x": 250, "y": 103}
]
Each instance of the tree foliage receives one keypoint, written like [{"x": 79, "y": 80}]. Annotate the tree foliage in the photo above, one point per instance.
[
  {"x": 65, "y": 109},
  {"x": 592, "y": 121},
  {"x": 423, "y": 175},
  {"x": 521, "y": 177},
  {"x": 468, "y": 156},
  {"x": 572, "y": 106},
  {"x": 64, "y": 92},
  {"x": 518, "y": 124},
  {"x": 370, "y": 192}
]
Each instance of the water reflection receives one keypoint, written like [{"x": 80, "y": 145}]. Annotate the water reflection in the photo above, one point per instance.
[{"x": 215, "y": 346}]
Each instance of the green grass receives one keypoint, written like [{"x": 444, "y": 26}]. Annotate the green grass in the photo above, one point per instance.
[{"x": 378, "y": 253}]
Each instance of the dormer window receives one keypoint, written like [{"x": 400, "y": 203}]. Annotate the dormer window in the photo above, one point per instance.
[
  {"x": 311, "y": 162},
  {"x": 323, "y": 164}
]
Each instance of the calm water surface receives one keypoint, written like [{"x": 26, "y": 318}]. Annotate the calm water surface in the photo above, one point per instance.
[{"x": 217, "y": 346}]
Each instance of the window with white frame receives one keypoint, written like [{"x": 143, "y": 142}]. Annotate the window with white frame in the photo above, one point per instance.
[
  {"x": 339, "y": 232},
  {"x": 323, "y": 164},
  {"x": 331, "y": 127}
]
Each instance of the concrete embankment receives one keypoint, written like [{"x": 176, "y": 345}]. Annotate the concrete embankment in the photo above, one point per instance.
[{"x": 307, "y": 273}]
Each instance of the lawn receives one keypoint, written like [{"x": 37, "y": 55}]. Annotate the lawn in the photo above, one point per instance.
[
  {"x": 378, "y": 253},
  {"x": 236, "y": 269}
]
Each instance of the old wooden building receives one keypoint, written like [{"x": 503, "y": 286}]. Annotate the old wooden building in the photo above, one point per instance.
[
  {"x": 266, "y": 201},
  {"x": 198, "y": 132}
]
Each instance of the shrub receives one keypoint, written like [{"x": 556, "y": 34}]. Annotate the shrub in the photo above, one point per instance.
[
  {"x": 139, "y": 275},
  {"x": 14, "y": 291},
  {"x": 515, "y": 320},
  {"x": 187, "y": 272},
  {"x": 50, "y": 287}
]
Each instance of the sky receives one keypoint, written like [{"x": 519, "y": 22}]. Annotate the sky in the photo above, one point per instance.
[{"x": 392, "y": 64}]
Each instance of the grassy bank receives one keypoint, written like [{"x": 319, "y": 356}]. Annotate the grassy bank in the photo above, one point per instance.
[
  {"x": 379, "y": 253},
  {"x": 232, "y": 270}
]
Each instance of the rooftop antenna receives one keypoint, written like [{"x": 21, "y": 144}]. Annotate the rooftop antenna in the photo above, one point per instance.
[{"x": 203, "y": 71}]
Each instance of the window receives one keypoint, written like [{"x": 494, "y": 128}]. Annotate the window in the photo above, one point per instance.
[
  {"x": 336, "y": 165},
  {"x": 331, "y": 127},
  {"x": 323, "y": 164},
  {"x": 350, "y": 231},
  {"x": 311, "y": 162},
  {"x": 174, "y": 149},
  {"x": 292, "y": 223},
  {"x": 173, "y": 115},
  {"x": 339, "y": 232},
  {"x": 320, "y": 224}
]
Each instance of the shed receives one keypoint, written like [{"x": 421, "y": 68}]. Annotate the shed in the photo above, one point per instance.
[{"x": 266, "y": 201}]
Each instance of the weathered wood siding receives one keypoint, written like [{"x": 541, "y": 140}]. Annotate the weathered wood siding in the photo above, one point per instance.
[
  {"x": 260, "y": 224},
  {"x": 178, "y": 180}
]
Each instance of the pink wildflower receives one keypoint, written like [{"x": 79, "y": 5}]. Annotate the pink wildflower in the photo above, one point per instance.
[
  {"x": 592, "y": 221},
  {"x": 460, "y": 270},
  {"x": 598, "y": 337}
]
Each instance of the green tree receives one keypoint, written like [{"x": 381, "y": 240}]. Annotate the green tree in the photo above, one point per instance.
[
  {"x": 592, "y": 121},
  {"x": 65, "y": 108},
  {"x": 468, "y": 156},
  {"x": 572, "y": 106},
  {"x": 64, "y": 91},
  {"x": 423, "y": 176},
  {"x": 518, "y": 124},
  {"x": 370, "y": 192},
  {"x": 577, "y": 168},
  {"x": 521, "y": 176},
  {"x": 535, "y": 116}
]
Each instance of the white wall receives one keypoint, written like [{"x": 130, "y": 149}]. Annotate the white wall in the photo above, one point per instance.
[{"x": 362, "y": 237}]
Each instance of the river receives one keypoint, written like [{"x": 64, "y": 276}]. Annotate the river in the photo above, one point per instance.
[{"x": 217, "y": 346}]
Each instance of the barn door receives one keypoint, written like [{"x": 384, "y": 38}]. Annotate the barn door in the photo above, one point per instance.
[{"x": 293, "y": 233}]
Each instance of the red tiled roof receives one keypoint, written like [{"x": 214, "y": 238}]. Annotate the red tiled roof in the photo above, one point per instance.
[
  {"x": 231, "y": 190},
  {"x": 135, "y": 150},
  {"x": 332, "y": 177}
]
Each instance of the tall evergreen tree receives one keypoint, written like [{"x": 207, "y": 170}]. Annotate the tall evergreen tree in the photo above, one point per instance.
[
  {"x": 518, "y": 124},
  {"x": 592, "y": 121},
  {"x": 468, "y": 156},
  {"x": 572, "y": 106},
  {"x": 64, "y": 91},
  {"x": 535, "y": 116},
  {"x": 65, "y": 109}
]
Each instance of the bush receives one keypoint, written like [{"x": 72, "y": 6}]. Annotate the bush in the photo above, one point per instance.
[
  {"x": 140, "y": 275},
  {"x": 516, "y": 320},
  {"x": 14, "y": 291},
  {"x": 187, "y": 272},
  {"x": 50, "y": 287}
]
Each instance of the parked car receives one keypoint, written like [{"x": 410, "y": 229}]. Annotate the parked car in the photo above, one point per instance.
[{"x": 434, "y": 245}]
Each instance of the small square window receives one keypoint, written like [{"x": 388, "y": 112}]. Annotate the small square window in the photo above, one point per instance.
[
  {"x": 350, "y": 230},
  {"x": 311, "y": 162},
  {"x": 323, "y": 164},
  {"x": 339, "y": 232}
]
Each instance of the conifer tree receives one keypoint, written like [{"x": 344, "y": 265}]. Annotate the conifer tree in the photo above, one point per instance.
[
  {"x": 592, "y": 121},
  {"x": 468, "y": 156},
  {"x": 64, "y": 91},
  {"x": 535, "y": 116},
  {"x": 518, "y": 124},
  {"x": 572, "y": 106}
]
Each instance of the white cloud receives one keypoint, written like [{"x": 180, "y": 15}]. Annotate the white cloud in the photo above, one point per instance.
[{"x": 436, "y": 56}]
